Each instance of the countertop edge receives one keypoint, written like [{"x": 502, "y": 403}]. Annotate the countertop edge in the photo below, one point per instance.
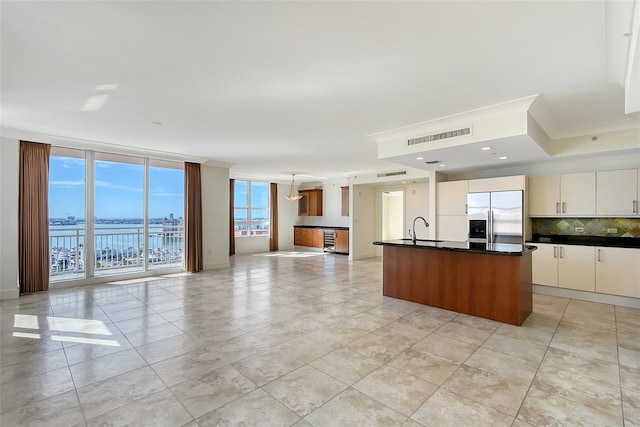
[
  {"x": 323, "y": 227},
  {"x": 609, "y": 242},
  {"x": 527, "y": 249}
]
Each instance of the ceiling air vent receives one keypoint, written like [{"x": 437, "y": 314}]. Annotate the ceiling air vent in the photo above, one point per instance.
[
  {"x": 439, "y": 136},
  {"x": 385, "y": 174}
]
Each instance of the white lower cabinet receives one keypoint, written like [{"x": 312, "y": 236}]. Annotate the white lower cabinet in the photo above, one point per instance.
[
  {"x": 565, "y": 266},
  {"x": 545, "y": 264},
  {"x": 576, "y": 268},
  {"x": 618, "y": 271}
]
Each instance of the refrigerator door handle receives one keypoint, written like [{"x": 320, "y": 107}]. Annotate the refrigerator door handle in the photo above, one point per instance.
[{"x": 491, "y": 227}]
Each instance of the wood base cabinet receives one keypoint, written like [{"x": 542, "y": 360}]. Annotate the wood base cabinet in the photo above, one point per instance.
[
  {"x": 496, "y": 287},
  {"x": 312, "y": 237},
  {"x": 342, "y": 241}
]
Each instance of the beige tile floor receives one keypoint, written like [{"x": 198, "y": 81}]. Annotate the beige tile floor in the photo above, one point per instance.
[{"x": 307, "y": 339}]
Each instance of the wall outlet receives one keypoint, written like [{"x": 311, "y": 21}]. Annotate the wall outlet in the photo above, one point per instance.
[
  {"x": 612, "y": 231},
  {"x": 579, "y": 229}
]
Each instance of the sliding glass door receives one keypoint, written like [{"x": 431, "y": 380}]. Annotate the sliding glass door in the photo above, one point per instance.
[{"x": 124, "y": 214}]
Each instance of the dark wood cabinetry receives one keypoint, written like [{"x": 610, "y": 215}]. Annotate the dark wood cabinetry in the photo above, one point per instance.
[
  {"x": 342, "y": 241},
  {"x": 311, "y": 203},
  {"x": 315, "y": 238},
  {"x": 312, "y": 237},
  {"x": 344, "y": 211}
]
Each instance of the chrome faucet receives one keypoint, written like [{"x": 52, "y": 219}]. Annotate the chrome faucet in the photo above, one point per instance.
[{"x": 413, "y": 233}]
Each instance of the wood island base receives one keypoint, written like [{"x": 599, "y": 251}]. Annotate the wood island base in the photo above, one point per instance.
[{"x": 493, "y": 286}]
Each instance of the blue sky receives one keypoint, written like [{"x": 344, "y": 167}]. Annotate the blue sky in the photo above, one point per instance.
[{"x": 118, "y": 189}]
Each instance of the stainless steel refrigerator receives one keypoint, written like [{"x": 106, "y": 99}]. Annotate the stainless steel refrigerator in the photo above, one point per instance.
[{"x": 496, "y": 217}]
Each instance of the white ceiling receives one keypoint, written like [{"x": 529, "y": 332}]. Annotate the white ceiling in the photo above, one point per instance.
[{"x": 283, "y": 87}]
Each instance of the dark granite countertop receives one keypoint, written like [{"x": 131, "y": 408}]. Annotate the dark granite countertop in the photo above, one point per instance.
[
  {"x": 324, "y": 227},
  {"x": 480, "y": 248},
  {"x": 613, "y": 242}
]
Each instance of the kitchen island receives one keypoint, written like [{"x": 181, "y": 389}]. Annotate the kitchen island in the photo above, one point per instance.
[{"x": 485, "y": 280}]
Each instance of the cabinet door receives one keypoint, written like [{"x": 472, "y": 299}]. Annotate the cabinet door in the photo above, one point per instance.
[
  {"x": 342, "y": 241},
  {"x": 452, "y": 198},
  {"x": 618, "y": 271},
  {"x": 297, "y": 236},
  {"x": 576, "y": 267},
  {"x": 303, "y": 204},
  {"x": 545, "y": 264},
  {"x": 452, "y": 227},
  {"x": 344, "y": 201},
  {"x": 617, "y": 192},
  {"x": 578, "y": 194},
  {"x": 544, "y": 195},
  {"x": 315, "y": 206},
  {"x": 318, "y": 238}
]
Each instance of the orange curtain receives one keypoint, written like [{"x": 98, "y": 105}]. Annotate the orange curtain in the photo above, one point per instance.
[
  {"x": 33, "y": 217},
  {"x": 193, "y": 217},
  {"x": 232, "y": 233},
  {"x": 273, "y": 218}
]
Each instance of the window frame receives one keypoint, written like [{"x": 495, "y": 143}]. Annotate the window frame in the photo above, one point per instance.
[{"x": 249, "y": 209}]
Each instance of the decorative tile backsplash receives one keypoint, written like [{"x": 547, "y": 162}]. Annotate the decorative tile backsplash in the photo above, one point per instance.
[{"x": 624, "y": 227}]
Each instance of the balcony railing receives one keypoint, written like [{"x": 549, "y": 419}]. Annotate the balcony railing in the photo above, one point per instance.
[{"x": 116, "y": 250}]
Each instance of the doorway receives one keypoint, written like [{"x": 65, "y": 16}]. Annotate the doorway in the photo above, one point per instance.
[{"x": 392, "y": 215}]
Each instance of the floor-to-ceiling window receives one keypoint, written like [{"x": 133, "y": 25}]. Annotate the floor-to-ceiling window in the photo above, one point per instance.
[
  {"x": 166, "y": 213},
  {"x": 114, "y": 214},
  {"x": 119, "y": 201},
  {"x": 67, "y": 188},
  {"x": 251, "y": 208}
]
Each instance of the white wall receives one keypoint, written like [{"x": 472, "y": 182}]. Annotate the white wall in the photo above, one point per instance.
[
  {"x": 287, "y": 217},
  {"x": 9, "y": 168},
  {"x": 215, "y": 216},
  {"x": 416, "y": 203},
  {"x": 331, "y": 205},
  {"x": 393, "y": 215},
  {"x": 362, "y": 222}
]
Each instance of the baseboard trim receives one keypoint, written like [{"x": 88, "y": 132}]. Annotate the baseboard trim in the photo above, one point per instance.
[
  {"x": 217, "y": 266},
  {"x": 587, "y": 296},
  {"x": 9, "y": 294}
]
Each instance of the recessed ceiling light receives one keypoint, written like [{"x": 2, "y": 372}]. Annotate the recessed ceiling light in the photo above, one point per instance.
[
  {"x": 432, "y": 162},
  {"x": 419, "y": 158},
  {"x": 486, "y": 148},
  {"x": 156, "y": 123},
  {"x": 503, "y": 158},
  {"x": 442, "y": 165}
]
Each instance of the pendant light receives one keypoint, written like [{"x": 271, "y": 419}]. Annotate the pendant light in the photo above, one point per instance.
[{"x": 291, "y": 196}]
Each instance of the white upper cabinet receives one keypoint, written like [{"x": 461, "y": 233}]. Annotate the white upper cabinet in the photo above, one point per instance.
[
  {"x": 452, "y": 198},
  {"x": 578, "y": 194},
  {"x": 563, "y": 195},
  {"x": 617, "y": 192},
  {"x": 503, "y": 183},
  {"x": 544, "y": 195},
  {"x": 452, "y": 227}
]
